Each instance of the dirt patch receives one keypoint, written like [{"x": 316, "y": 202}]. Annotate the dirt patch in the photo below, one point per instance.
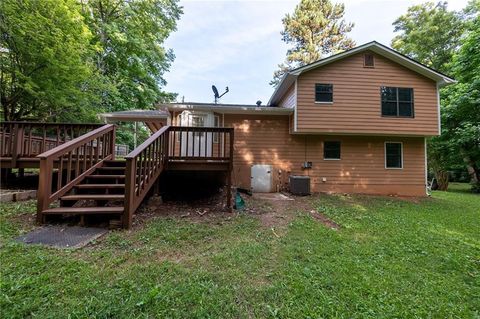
[
  {"x": 276, "y": 210},
  {"x": 27, "y": 220},
  {"x": 324, "y": 220},
  {"x": 208, "y": 209}
]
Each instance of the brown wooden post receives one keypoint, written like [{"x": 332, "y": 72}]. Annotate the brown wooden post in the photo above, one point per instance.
[
  {"x": 166, "y": 150},
  {"x": 44, "y": 187},
  {"x": 112, "y": 141},
  {"x": 229, "y": 175},
  {"x": 17, "y": 143},
  {"x": 229, "y": 191},
  {"x": 130, "y": 177}
]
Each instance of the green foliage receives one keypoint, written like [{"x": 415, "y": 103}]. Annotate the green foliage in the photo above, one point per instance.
[
  {"x": 129, "y": 37},
  {"x": 430, "y": 34},
  {"x": 44, "y": 67},
  {"x": 125, "y": 134},
  {"x": 449, "y": 42},
  {"x": 67, "y": 60},
  {"x": 316, "y": 28},
  {"x": 461, "y": 113},
  {"x": 390, "y": 259}
]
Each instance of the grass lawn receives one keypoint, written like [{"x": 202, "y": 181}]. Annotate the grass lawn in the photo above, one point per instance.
[{"x": 391, "y": 258}]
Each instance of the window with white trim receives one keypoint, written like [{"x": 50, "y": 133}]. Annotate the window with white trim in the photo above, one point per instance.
[
  {"x": 331, "y": 150},
  {"x": 393, "y": 155},
  {"x": 323, "y": 93}
]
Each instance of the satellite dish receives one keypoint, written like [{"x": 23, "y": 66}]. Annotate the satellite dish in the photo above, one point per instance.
[
  {"x": 216, "y": 95},
  {"x": 215, "y": 92}
]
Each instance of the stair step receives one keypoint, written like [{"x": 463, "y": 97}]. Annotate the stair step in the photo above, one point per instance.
[
  {"x": 105, "y": 176},
  {"x": 110, "y": 163},
  {"x": 111, "y": 168},
  {"x": 84, "y": 210},
  {"x": 106, "y": 186},
  {"x": 93, "y": 197}
]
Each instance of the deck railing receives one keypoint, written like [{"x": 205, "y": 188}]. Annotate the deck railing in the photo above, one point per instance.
[
  {"x": 200, "y": 143},
  {"x": 28, "y": 139},
  {"x": 171, "y": 143},
  {"x": 143, "y": 167},
  {"x": 71, "y": 162}
]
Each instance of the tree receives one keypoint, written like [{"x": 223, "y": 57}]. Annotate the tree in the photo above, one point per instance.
[
  {"x": 449, "y": 42},
  {"x": 44, "y": 47},
  {"x": 129, "y": 36},
  {"x": 430, "y": 34},
  {"x": 461, "y": 114},
  {"x": 315, "y": 29}
]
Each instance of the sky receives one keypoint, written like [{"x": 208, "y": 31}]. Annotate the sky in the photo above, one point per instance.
[{"x": 238, "y": 44}]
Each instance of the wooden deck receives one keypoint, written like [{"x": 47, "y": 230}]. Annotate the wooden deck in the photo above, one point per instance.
[
  {"x": 76, "y": 170},
  {"x": 21, "y": 142}
]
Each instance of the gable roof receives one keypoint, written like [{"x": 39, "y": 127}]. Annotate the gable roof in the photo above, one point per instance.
[{"x": 289, "y": 78}]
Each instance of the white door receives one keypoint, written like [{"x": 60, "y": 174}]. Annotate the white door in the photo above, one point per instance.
[
  {"x": 261, "y": 178},
  {"x": 199, "y": 143}
]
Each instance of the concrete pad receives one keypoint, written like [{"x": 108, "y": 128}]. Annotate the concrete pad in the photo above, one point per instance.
[
  {"x": 62, "y": 236},
  {"x": 271, "y": 196}
]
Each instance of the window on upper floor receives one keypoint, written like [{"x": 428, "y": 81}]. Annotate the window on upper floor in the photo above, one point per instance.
[
  {"x": 323, "y": 93},
  {"x": 393, "y": 155},
  {"x": 397, "y": 102},
  {"x": 368, "y": 60},
  {"x": 331, "y": 150}
]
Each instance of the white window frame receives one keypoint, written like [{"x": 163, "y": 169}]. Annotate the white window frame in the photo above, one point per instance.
[
  {"x": 385, "y": 153},
  {"x": 332, "y": 159},
  {"x": 323, "y": 102}
]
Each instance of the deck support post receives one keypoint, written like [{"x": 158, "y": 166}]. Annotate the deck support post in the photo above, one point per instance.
[
  {"x": 130, "y": 190},
  {"x": 156, "y": 187},
  {"x": 230, "y": 168},
  {"x": 229, "y": 191},
  {"x": 44, "y": 187}
]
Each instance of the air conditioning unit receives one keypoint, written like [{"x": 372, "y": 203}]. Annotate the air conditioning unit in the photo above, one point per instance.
[{"x": 300, "y": 185}]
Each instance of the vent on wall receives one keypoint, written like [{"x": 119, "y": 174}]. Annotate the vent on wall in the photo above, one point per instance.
[{"x": 368, "y": 60}]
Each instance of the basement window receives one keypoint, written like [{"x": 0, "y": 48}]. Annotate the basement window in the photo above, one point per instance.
[
  {"x": 393, "y": 155},
  {"x": 331, "y": 150},
  {"x": 323, "y": 93},
  {"x": 368, "y": 60},
  {"x": 397, "y": 102}
]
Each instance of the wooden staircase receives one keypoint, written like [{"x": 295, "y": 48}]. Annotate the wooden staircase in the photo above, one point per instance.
[
  {"x": 84, "y": 177},
  {"x": 102, "y": 192}
]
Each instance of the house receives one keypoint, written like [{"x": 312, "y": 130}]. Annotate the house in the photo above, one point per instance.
[{"x": 355, "y": 122}]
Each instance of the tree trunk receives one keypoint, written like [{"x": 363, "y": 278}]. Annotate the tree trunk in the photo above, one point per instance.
[
  {"x": 442, "y": 179},
  {"x": 473, "y": 170}
]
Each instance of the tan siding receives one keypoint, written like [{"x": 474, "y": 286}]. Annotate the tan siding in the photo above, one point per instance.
[
  {"x": 356, "y": 106},
  {"x": 266, "y": 140},
  {"x": 289, "y": 99}
]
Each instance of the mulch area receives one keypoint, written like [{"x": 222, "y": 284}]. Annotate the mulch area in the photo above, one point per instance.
[{"x": 272, "y": 213}]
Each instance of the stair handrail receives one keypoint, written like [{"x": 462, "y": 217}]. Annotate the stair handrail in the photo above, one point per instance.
[
  {"x": 74, "y": 160},
  {"x": 143, "y": 167}
]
